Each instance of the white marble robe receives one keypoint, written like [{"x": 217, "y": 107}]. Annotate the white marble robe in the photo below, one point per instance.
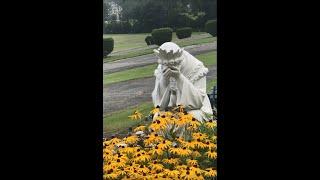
[{"x": 190, "y": 91}]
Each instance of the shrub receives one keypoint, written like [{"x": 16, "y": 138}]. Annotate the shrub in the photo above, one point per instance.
[
  {"x": 108, "y": 44},
  {"x": 211, "y": 27},
  {"x": 149, "y": 40},
  {"x": 161, "y": 35},
  {"x": 184, "y": 32}
]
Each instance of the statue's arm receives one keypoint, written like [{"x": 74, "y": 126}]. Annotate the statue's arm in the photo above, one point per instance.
[
  {"x": 191, "y": 94},
  {"x": 160, "y": 92}
]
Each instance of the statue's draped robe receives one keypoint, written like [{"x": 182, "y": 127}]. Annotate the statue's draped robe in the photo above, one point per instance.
[{"x": 191, "y": 89}]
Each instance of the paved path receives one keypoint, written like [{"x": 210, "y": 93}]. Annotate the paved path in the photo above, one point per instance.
[
  {"x": 148, "y": 59},
  {"x": 121, "y": 95}
]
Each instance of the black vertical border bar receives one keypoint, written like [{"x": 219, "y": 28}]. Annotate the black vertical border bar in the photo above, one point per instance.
[
  {"x": 99, "y": 88},
  {"x": 220, "y": 90}
]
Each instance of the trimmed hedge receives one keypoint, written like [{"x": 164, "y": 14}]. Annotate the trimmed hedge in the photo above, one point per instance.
[
  {"x": 211, "y": 27},
  {"x": 184, "y": 32},
  {"x": 149, "y": 40},
  {"x": 161, "y": 35},
  {"x": 108, "y": 44}
]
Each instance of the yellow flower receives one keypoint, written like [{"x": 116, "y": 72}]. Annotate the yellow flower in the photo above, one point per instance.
[
  {"x": 128, "y": 150},
  {"x": 211, "y": 145},
  {"x": 180, "y": 151},
  {"x": 131, "y": 139},
  {"x": 139, "y": 128},
  {"x": 168, "y": 114},
  {"x": 119, "y": 163},
  {"x": 200, "y": 136},
  {"x": 107, "y": 154},
  {"x": 141, "y": 157},
  {"x": 110, "y": 176},
  {"x": 193, "y": 127},
  {"x": 143, "y": 169},
  {"x": 212, "y": 154},
  {"x": 171, "y": 173},
  {"x": 199, "y": 144},
  {"x": 158, "y": 124},
  {"x": 181, "y": 121},
  {"x": 180, "y": 140},
  {"x": 188, "y": 175},
  {"x": 156, "y": 166},
  {"x": 192, "y": 162},
  {"x": 156, "y": 151},
  {"x": 155, "y": 110},
  {"x": 153, "y": 138},
  {"x": 136, "y": 115},
  {"x": 173, "y": 161},
  {"x": 131, "y": 167},
  {"x": 182, "y": 167},
  {"x": 194, "y": 124},
  {"x": 210, "y": 172},
  {"x": 113, "y": 141},
  {"x": 186, "y": 116},
  {"x": 211, "y": 124},
  {"x": 189, "y": 144},
  {"x": 165, "y": 144},
  {"x": 171, "y": 120}
]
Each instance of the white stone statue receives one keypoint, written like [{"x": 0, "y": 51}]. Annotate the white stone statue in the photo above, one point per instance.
[{"x": 181, "y": 80}]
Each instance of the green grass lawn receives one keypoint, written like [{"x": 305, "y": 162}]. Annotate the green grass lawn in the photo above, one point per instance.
[
  {"x": 129, "y": 41},
  {"x": 132, "y": 45},
  {"x": 136, "y": 73},
  {"x": 208, "y": 59},
  {"x": 118, "y": 122}
]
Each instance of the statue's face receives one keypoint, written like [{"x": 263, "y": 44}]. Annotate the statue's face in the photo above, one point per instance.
[
  {"x": 170, "y": 55},
  {"x": 172, "y": 63}
]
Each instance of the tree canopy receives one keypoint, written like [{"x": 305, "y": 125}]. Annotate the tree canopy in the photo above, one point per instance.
[{"x": 150, "y": 14}]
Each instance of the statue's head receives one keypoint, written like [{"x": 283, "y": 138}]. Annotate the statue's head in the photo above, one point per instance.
[{"x": 169, "y": 54}]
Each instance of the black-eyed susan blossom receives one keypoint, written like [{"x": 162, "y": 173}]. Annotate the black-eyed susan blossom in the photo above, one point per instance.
[
  {"x": 211, "y": 124},
  {"x": 200, "y": 136},
  {"x": 156, "y": 151},
  {"x": 192, "y": 162},
  {"x": 156, "y": 166},
  {"x": 212, "y": 154},
  {"x": 180, "y": 151},
  {"x": 155, "y": 110},
  {"x": 136, "y": 115},
  {"x": 164, "y": 144},
  {"x": 131, "y": 139},
  {"x": 173, "y": 161},
  {"x": 139, "y": 128},
  {"x": 210, "y": 172}
]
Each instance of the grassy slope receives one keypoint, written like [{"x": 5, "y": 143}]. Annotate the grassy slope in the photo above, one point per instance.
[
  {"x": 208, "y": 59},
  {"x": 135, "y": 42},
  {"x": 118, "y": 122}
]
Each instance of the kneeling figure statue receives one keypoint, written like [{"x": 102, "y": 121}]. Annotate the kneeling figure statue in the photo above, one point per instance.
[{"x": 181, "y": 80}]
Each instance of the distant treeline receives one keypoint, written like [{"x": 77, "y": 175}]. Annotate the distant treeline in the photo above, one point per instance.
[{"x": 141, "y": 16}]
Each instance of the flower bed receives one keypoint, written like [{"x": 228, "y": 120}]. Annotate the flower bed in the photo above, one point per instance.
[{"x": 174, "y": 146}]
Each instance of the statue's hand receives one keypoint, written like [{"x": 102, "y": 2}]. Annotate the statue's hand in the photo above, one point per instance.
[
  {"x": 174, "y": 72},
  {"x": 165, "y": 77}
]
